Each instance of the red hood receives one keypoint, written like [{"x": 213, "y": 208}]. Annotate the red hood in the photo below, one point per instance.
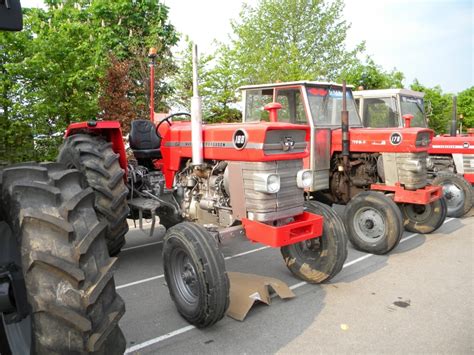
[
  {"x": 372, "y": 140},
  {"x": 452, "y": 145}
]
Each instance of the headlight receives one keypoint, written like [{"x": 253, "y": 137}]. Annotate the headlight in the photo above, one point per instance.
[
  {"x": 268, "y": 183},
  {"x": 304, "y": 179},
  {"x": 429, "y": 163}
]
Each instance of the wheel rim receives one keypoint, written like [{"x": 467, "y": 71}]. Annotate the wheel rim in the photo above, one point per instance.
[
  {"x": 369, "y": 224},
  {"x": 19, "y": 335},
  {"x": 418, "y": 213},
  {"x": 184, "y": 276},
  {"x": 310, "y": 249},
  {"x": 454, "y": 196}
]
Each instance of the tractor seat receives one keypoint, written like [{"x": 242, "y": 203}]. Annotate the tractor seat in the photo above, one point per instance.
[{"x": 144, "y": 141}]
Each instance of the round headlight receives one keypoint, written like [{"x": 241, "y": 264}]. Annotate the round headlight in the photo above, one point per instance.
[
  {"x": 307, "y": 179},
  {"x": 304, "y": 179},
  {"x": 273, "y": 184}
]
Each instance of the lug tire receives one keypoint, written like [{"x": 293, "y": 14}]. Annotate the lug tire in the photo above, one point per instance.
[
  {"x": 457, "y": 193},
  {"x": 372, "y": 212},
  {"x": 321, "y": 261},
  {"x": 190, "y": 244},
  {"x": 67, "y": 270},
  {"x": 418, "y": 220},
  {"x": 94, "y": 157}
]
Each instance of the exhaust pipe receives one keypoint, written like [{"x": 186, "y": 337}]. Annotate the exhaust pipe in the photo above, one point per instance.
[
  {"x": 152, "y": 55},
  {"x": 454, "y": 120},
  {"x": 345, "y": 127},
  {"x": 196, "y": 114},
  {"x": 345, "y": 140}
]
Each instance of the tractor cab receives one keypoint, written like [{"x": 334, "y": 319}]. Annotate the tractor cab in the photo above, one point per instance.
[
  {"x": 318, "y": 104},
  {"x": 386, "y": 108}
]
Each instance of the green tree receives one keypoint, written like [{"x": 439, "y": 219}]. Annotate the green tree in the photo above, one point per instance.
[
  {"x": 222, "y": 87},
  {"x": 371, "y": 76},
  {"x": 182, "y": 81},
  {"x": 438, "y": 106},
  {"x": 466, "y": 106},
  {"x": 284, "y": 40},
  {"x": 55, "y": 67}
]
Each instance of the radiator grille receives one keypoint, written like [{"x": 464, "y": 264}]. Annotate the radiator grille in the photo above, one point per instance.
[
  {"x": 267, "y": 207},
  {"x": 412, "y": 170}
]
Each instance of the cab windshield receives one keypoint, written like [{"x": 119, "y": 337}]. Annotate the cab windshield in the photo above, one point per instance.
[
  {"x": 413, "y": 106},
  {"x": 326, "y": 106},
  {"x": 380, "y": 112}
]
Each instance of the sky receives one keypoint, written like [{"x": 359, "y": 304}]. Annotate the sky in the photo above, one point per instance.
[{"x": 430, "y": 40}]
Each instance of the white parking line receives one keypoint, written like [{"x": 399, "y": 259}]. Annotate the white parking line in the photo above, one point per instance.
[
  {"x": 142, "y": 245},
  {"x": 300, "y": 284}
]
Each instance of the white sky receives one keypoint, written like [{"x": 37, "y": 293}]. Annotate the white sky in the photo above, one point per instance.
[{"x": 431, "y": 40}]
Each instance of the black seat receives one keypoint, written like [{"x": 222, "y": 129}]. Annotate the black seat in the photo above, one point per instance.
[{"x": 144, "y": 141}]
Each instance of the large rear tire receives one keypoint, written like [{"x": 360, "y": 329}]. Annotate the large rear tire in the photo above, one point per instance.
[
  {"x": 457, "y": 193},
  {"x": 319, "y": 259},
  {"x": 373, "y": 222},
  {"x": 195, "y": 274},
  {"x": 93, "y": 156},
  {"x": 424, "y": 219},
  {"x": 67, "y": 271}
]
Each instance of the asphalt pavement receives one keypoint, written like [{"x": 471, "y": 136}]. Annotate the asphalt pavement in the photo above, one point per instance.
[{"x": 417, "y": 299}]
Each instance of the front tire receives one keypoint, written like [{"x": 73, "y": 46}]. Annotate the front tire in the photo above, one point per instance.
[
  {"x": 457, "y": 193},
  {"x": 195, "y": 274},
  {"x": 63, "y": 255},
  {"x": 94, "y": 157},
  {"x": 319, "y": 259},
  {"x": 424, "y": 219},
  {"x": 373, "y": 222}
]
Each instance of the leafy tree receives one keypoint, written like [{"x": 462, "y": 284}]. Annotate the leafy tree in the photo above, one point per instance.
[
  {"x": 466, "y": 106},
  {"x": 222, "y": 87},
  {"x": 371, "y": 76},
  {"x": 438, "y": 106},
  {"x": 284, "y": 40},
  {"x": 182, "y": 81},
  {"x": 56, "y": 66},
  {"x": 115, "y": 103}
]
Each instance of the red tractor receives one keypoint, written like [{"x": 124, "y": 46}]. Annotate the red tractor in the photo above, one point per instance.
[
  {"x": 379, "y": 174},
  {"x": 207, "y": 183},
  {"x": 57, "y": 290},
  {"x": 451, "y": 156}
]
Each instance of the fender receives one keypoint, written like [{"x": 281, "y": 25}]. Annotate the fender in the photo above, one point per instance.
[{"x": 109, "y": 129}]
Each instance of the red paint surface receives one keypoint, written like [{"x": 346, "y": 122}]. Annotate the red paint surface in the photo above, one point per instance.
[
  {"x": 306, "y": 226},
  {"x": 422, "y": 196}
]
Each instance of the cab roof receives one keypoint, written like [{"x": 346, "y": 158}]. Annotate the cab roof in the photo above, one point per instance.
[
  {"x": 291, "y": 83},
  {"x": 387, "y": 92}
]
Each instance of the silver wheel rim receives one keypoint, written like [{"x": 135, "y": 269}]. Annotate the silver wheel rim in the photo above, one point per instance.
[
  {"x": 369, "y": 224},
  {"x": 418, "y": 213},
  {"x": 19, "y": 336},
  {"x": 453, "y": 195}
]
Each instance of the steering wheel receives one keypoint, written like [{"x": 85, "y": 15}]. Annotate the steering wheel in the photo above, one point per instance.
[{"x": 167, "y": 120}]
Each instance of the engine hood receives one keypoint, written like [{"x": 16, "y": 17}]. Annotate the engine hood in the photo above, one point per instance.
[{"x": 372, "y": 140}]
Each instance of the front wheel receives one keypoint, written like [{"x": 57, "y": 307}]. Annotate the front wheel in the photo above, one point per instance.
[
  {"x": 374, "y": 222},
  {"x": 319, "y": 259},
  {"x": 457, "y": 193},
  {"x": 195, "y": 274},
  {"x": 424, "y": 218}
]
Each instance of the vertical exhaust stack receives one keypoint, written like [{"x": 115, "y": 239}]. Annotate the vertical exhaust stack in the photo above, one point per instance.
[
  {"x": 152, "y": 55},
  {"x": 345, "y": 139},
  {"x": 196, "y": 113},
  {"x": 454, "y": 120},
  {"x": 345, "y": 127}
]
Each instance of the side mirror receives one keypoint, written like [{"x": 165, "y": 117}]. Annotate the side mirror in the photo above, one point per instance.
[{"x": 11, "y": 17}]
